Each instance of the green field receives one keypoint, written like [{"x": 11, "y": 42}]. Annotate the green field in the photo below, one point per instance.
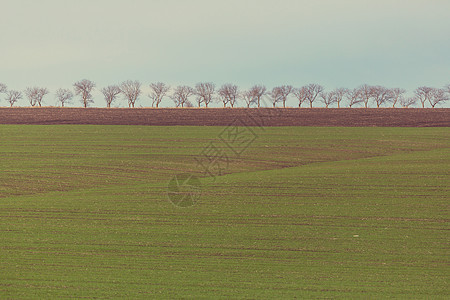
[{"x": 303, "y": 212}]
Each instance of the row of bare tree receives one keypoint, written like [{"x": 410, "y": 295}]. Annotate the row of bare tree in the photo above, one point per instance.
[{"x": 205, "y": 93}]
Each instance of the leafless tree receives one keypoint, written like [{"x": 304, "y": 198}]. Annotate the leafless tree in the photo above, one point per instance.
[
  {"x": 40, "y": 95},
  {"x": 31, "y": 95},
  {"x": 204, "y": 92},
  {"x": 354, "y": 97},
  {"x": 423, "y": 94},
  {"x": 276, "y": 95},
  {"x": 110, "y": 93},
  {"x": 258, "y": 92},
  {"x": 35, "y": 95},
  {"x": 339, "y": 94},
  {"x": 131, "y": 90},
  {"x": 328, "y": 98},
  {"x": 13, "y": 96},
  {"x": 285, "y": 91},
  {"x": 181, "y": 96},
  {"x": 312, "y": 91},
  {"x": 228, "y": 93},
  {"x": 64, "y": 96},
  {"x": 300, "y": 94},
  {"x": 249, "y": 97},
  {"x": 407, "y": 102},
  {"x": 3, "y": 88},
  {"x": 397, "y": 95},
  {"x": 380, "y": 95},
  {"x": 365, "y": 94},
  {"x": 438, "y": 96},
  {"x": 159, "y": 90},
  {"x": 84, "y": 89}
]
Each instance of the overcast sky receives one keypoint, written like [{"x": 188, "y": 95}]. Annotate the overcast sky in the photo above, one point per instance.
[{"x": 54, "y": 43}]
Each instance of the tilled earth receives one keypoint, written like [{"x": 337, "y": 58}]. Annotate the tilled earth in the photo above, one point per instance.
[{"x": 391, "y": 117}]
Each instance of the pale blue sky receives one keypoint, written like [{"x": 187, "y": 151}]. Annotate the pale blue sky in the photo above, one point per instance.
[{"x": 54, "y": 43}]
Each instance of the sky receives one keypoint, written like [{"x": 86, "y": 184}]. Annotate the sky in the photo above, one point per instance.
[{"x": 336, "y": 43}]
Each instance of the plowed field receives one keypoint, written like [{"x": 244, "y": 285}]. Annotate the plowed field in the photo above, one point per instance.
[{"x": 398, "y": 117}]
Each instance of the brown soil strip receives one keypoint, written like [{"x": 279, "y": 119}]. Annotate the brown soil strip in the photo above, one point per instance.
[{"x": 382, "y": 117}]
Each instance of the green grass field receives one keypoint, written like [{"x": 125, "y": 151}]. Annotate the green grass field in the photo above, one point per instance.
[{"x": 304, "y": 212}]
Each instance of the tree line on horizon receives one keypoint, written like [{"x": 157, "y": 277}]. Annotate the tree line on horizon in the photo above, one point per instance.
[{"x": 205, "y": 93}]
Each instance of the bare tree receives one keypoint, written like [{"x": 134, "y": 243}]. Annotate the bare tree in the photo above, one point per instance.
[
  {"x": 380, "y": 95},
  {"x": 249, "y": 97},
  {"x": 396, "y": 95},
  {"x": 30, "y": 93},
  {"x": 110, "y": 93},
  {"x": 365, "y": 94},
  {"x": 204, "y": 92},
  {"x": 300, "y": 94},
  {"x": 13, "y": 96},
  {"x": 328, "y": 98},
  {"x": 258, "y": 92},
  {"x": 3, "y": 88},
  {"x": 159, "y": 90},
  {"x": 354, "y": 97},
  {"x": 276, "y": 95},
  {"x": 339, "y": 94},
  {"x": 181, "y": 96},
  {"x": 131, "y": 90},
  {"x": 84, "y": 89},
  {"x": 40, "y": 95},
  {"x": 312, "y": 91},
  {"x": 64, "y": 96},
  {"x": 437, "y": 96},
  {"x": 407, "y": 102},
  {"x": 423, "y": 94},
  {"x": 35, "y": 95},
  {"x": 285, "y": 91},
  {"x": 228, "y": 93}
]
